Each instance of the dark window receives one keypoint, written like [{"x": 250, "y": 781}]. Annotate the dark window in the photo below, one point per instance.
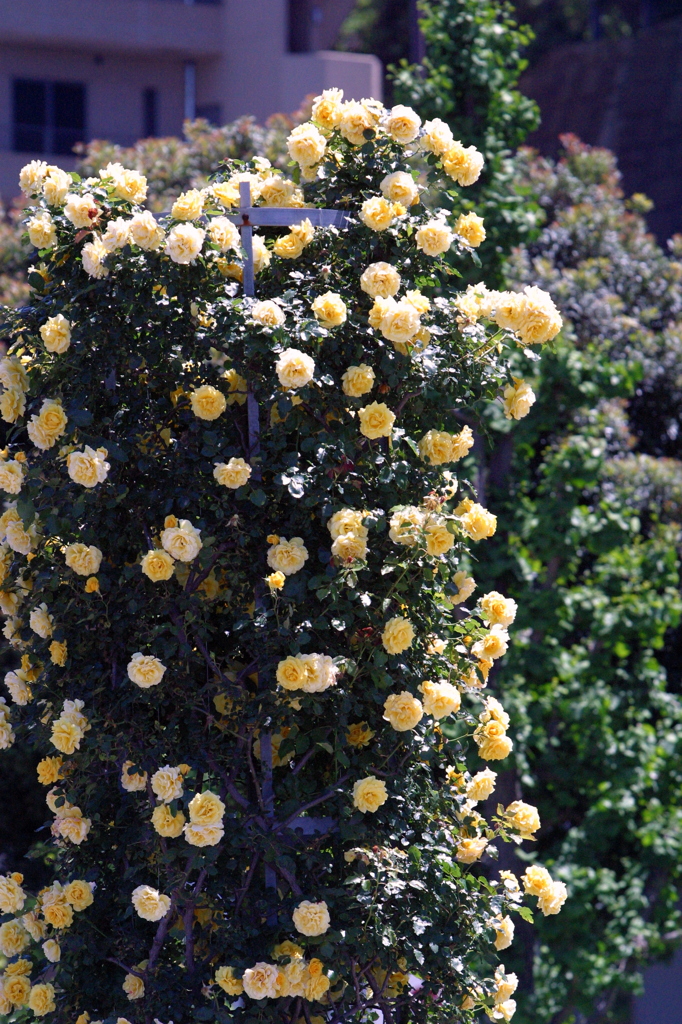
[
  {"x": 48, "y": 117},
  {"x": 210, "y": 112},
  {"x": 299, "y": 26},
  {"x": 150, "y": 108}
]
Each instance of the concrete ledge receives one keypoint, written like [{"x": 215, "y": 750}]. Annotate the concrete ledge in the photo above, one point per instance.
[
  {"x": 155, "y": 27},
  {"x": 360, "y": 75}
]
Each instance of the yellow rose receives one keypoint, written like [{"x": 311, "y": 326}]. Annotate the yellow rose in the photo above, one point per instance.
[
  {"x": 49, "y": 771},
  {"x": 398, "y": 635},
  {"x": 498, "y": 610},
  {"x": 32, "y": 176},
  {"x": 145, "y": 232},
  {"x": 523, "y": 817},
  {"x": 481, "y": 785},
  {"x": 276, "y": 580},
  {"x": 403, "y": 124},
  {"x": 91, "y": 585},
  {"x": 149, "y": 903},
  {"x": 117, "y": 234},
  {"x": 294, "y": 369},
  {"x": 494, "y": 712},
  {"x": 406, "y": 525},
  {"x": 88, "y": 467},
  {"x": 49, "y": 425},
  {"x": 478, "y": 523},
  {"x": 71, "y": 825},
  {"x": 403, "y": 711},
  {"x": 41, "y": 622},
  {"x": 377, "y": 213},
  {"x": 157, "y": 565},
  {"x": 347, "y": 520},
  {"x": 380, "y": 280},
  {"x": 13, "y": 938},
  {"x": 12, "y": 404},
  {"x": 145, "y": 670},
  {"x": 518, "y": 398},
  {"x": 537, "y": 880},
  {"x": 166, "y": 823},
  {"x": 292, "y": 673},
  {"x": 167, "y": 783},
  {"x": 184, "y": 243},
  {"x": 358, "y": 380},
  {"x": 41, "y": 231},
  {"x": 434, "y": 238},
  {"x": 493, "y": 742},
  {"x": 268, "y": 313},
  {"x": 438, "y": 537},
  {"x": 227, "y": 193},
  {"x": 132, "y": 782},
  {"x": 130, "y": 185},
  {"x": 440, "y": 699},
  {"x": 304, "y": 231},
  {"x": 349, "y": 547},
  {"x": 399, "y": 321},
  {"x": 288, "y": 247},
  {"x": 359, "y": 734},
  {"x": 493, "y": 645},
  {"x": 182, "y": 542},
  {"x": 83, "y": 559},
  {"x": 462, "y": 164},
  {"x": 35, "y": 927},
  {"x": 316, "y": 987},
  {"x": 262, "y": 981},
  {"x": 320, "y": 672},
  {"x": 280, "y": 192},
  {"x": 469, "y": 226},
  {"x": 288, "y": 556},
  {"x": 329, "y": 309},
  {"x": 261, "y": 255},
  {"x": 206, "y": 809},
  {"x": 203, "y": 835},
  {"x": 469, "y": 850},
  {"x": 505, "y": 985},
  {"x": 225, "y": 978},
  {"x": 93, "y": 255},
  {"x": 504, "y": 932},
  {"x": 13, "y": 373},
  {"x": 311, "y": 918},
  {"x": 56, "y": 334},
  {"x": 356, "y": 119},
  {"x": 79, "y": 894},
  {"x": 552, "y": 901},
  {"x": 400, "y": 187},
  {"x": 207, "y": 402},
  {"x": 376, "y": 420},
  {"x": 224, "y": 234},
  {"x": 188, "y": 206},
  {"x": 58, "y": 652},
  {"x": 232, "y": 474},
  {"x": 12, "y": 896},
  {"x": 82, "y": 210},
  {"x": 41, "y": 999},
  {"x": 17, "y": 988},
  {"x": 306, "y": 145},
  {"x": 475, "y": 302},
  {"x": 133, "y": 986},
  {"x": 369, "y": 794},
  {"x": 540, "y": 319},
  {"x": 56, "y": 186},
  {"x": 437, "y": 136},
  {"x": 295, "y": 976},
  {"x": 327, "y": 109},
  {"x": 11, "y": 476},
  {"x": 20, "y": 691}
]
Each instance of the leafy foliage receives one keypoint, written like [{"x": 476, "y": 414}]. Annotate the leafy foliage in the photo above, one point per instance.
[
  {"x": 590, "y": 552},
  {"x": 469, "y": 78}
]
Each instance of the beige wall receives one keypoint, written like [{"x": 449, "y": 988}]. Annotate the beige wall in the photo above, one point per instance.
[{"x": 117, "y": 48}]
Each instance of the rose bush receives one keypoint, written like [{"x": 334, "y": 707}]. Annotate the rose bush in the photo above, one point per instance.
[{"x": 252, "y": 779}]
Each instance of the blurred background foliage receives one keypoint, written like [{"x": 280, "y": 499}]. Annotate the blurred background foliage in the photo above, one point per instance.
[{"x": 588, "y": 486}]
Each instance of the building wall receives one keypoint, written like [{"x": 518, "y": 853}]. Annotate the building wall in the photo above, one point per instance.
[
  {"x": 625, "y": 94},
  {"x": 118, "y": 48}
]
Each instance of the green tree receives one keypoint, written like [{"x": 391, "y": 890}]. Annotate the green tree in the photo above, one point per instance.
[
  {"x": 469, "y": 79},
  {"x": 589, "y": 550},
  {"x": 230, "y": 555}
]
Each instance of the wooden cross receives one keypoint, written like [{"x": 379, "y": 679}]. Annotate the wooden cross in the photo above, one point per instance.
[{"x": 275, "y": 216}]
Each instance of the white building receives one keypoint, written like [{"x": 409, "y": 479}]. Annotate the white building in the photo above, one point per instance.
[{"x": 75, "y": 70}]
